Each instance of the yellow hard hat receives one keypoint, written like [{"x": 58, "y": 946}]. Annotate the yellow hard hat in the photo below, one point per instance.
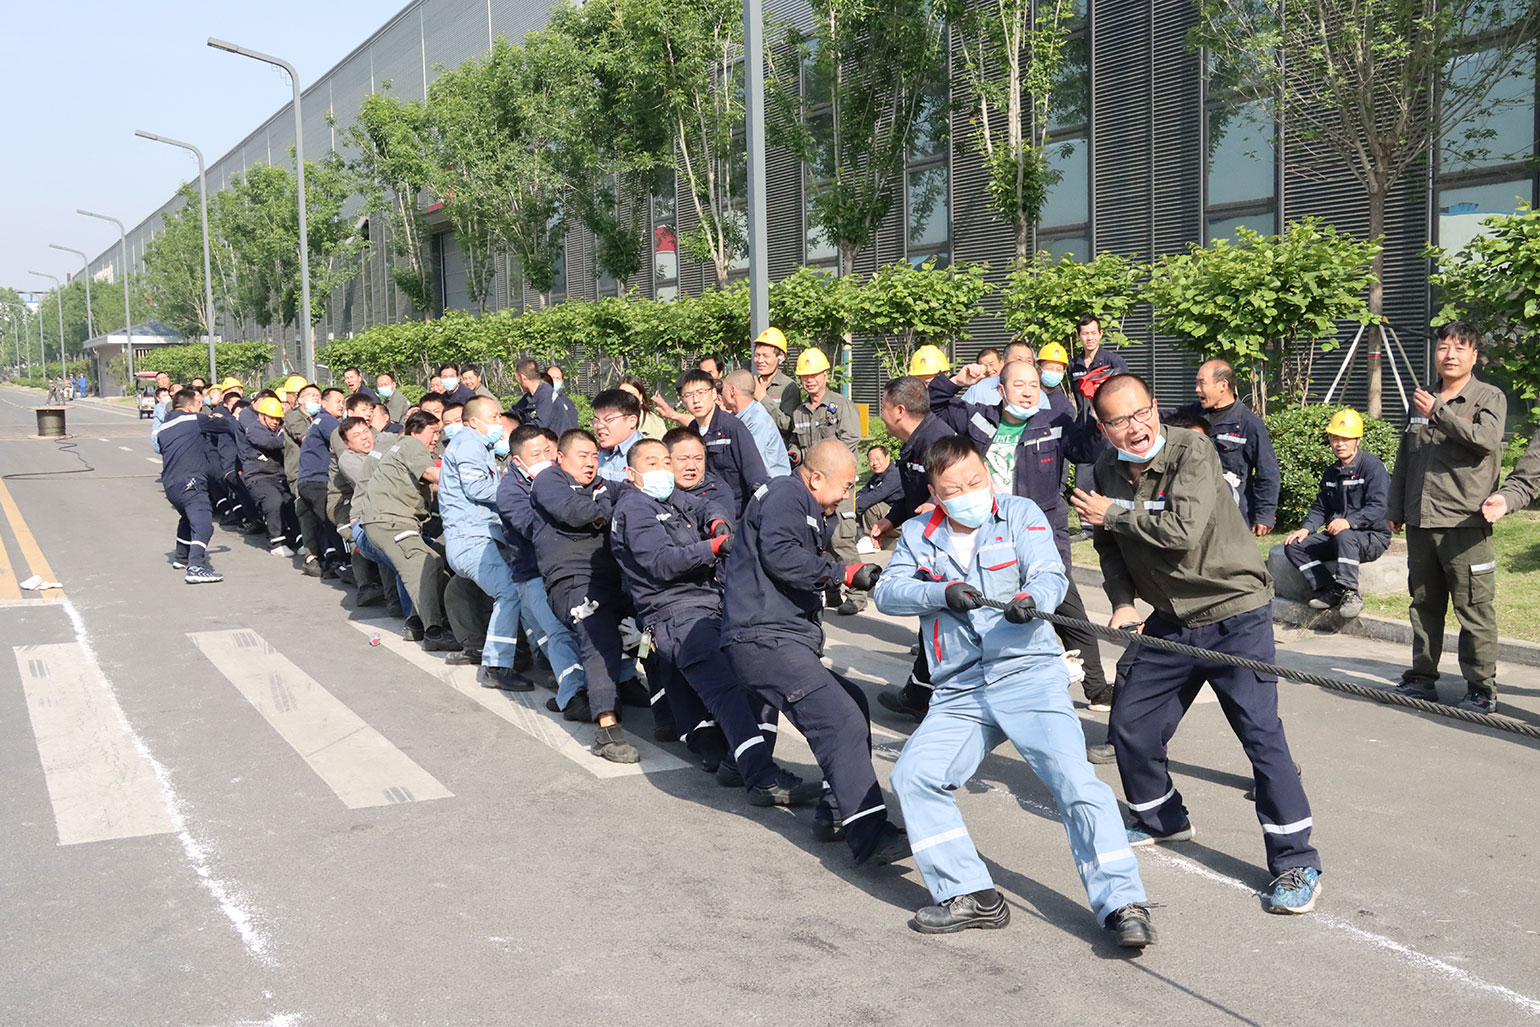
[
  {"x": 1053, "y": 353},
  {"x": 232, "y": 383},
  {"x": 812, "y": 361},
  {"x": 1346, "y": 424},
  {"x": 772, "y": 337},
  {"x": 268, "y": 407},
  {"x": 294, "y": 384},
  {"x": 928, "y": 360}
]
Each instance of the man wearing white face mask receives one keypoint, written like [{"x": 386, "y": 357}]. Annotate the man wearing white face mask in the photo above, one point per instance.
[
  {"x": 474, "y": 542},
  {"x": 1167, "y": 533},
  {"x": 1025, "y": 439},
  {"x": 532, "y": 449},
  {"x": 997, "y": 675}
]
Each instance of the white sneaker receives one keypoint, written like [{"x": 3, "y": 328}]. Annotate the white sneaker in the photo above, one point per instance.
[{"x": 283, "y": 551}]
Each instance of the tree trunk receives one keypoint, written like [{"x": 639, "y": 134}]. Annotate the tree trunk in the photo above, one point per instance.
[
  {"x": 1376, "y": 300},
  {"x": 1023, "y": 236}
]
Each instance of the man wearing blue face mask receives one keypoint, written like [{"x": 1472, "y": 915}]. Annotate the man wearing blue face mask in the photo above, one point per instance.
[
  {"x": 1025, "y": 440},
  {"x": 390, "y": 395},
  {"x": 455, "y": 391},
  {"x": 1168, "y": 533},
  {"x": 669, "y": 545},
  {"x": 474, "y": 542},
  {"x": 997, "y": 675}
]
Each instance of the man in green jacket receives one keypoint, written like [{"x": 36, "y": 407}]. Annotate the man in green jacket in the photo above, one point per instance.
[
  {"x": 1521, "y": 488},
  {"x": 1446, "y": 468},
  {"x": 1167, "y": 533}
]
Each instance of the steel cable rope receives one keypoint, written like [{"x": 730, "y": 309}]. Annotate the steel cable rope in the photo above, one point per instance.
[
  {"x": 1381, "y": 695},
  {"x": 68, "y": 446}
]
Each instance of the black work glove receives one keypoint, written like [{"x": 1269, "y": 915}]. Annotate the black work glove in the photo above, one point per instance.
[
  {"x": 719, "y": 528},
  {"x": 862, "y": 576},
  {"x": 1019, "y": 610},
  {"x": 962, "y": 597}
]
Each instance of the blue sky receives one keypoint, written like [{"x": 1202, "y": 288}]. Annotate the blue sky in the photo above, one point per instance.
[{"x": 79, "y": 78}]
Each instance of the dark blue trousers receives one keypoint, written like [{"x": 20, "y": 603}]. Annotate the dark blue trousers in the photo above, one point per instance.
[
  {"x": 832, "y": 715},
  {"x": 196, "y": 525},
  {"x": 1348, "y": 550},
  {"x": 600, "y": 648},
  {"x": 1161, "y": 686},
  {"x": 703, "y": 691}
]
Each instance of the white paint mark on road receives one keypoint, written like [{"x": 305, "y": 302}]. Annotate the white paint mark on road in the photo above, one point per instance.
[
  {"x": 231, "y": 903},
  {"x": 356, "y": 761},
  {"x": 521, "y": 710},
  {"x": 1166, "y": 857},
  {"x": 101, "y": 787},
  {"x": 100, "y": 439},
  {"x": 126, "y": 449},
  {"x": 152, "y": 459}
]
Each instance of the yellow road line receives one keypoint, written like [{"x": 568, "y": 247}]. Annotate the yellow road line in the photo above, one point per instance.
[
  {"x": 29, "y": 547},
  {"x": 8, "y": 587}
]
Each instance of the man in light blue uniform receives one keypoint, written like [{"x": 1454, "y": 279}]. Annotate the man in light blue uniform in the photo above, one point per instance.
[
  {"x": 473, "y": 536},
  {"x": 738, "y": 398},
  {"x": 617, "y": 416},
  {"x": 986, "y": 391},
  {"x": 997, "y": 675}
]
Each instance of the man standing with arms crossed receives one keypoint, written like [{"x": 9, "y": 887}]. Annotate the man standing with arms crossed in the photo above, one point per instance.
[
  {"x": 1167, "y": 532},
  {"x": 1448, "y": 464}
]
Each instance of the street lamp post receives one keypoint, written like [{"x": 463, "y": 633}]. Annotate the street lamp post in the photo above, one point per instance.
[
  {"x": 59, "y": 306},
  {"x": 754, "y": 138},
  {"x": 203, "y": 199},
  {"x": 128, "y": 318},
  {"x": 90, "y": 325},
  {"x": 306, "y": 340}
]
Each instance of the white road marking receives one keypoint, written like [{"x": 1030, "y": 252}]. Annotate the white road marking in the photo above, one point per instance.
[
  {"x": 356, "y": 761},
  {"x": 1165, "y": 856},
  {"x": 525, "y": 711},
  {"x": 126, "y": 449},
  {"x": 99, "y": 439},
  {"x": 151, "y": 459},
  {"x": 101, "y": 787}
]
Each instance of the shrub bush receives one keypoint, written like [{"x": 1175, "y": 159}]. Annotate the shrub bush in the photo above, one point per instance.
[{"x": 1299, "y": 437}]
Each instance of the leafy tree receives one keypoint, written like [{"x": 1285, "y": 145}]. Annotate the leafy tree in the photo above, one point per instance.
[
  {"x": 1260, "y": 302},
  {"x": 814, "y": 308},
  {"x": 1373, "y": 85},
  {"x": 1494, "y": 283},
  {"x": 1013, "y": 56},
  {"x": 1045, "y": 299},
  {"x": 903, "y": 306},
  {"x": 243, "y": 360},
  {"x": 876, "y": 67},
  {"x": 173, "y": 262},
  {"x": 392, "y": 163}
]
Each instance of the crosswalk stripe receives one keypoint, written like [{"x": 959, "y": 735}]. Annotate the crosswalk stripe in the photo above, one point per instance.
[
  {"x": 101, "y": 784},
  {"x": 524, "y": 710},
  {"x": 356, "y": 761}
]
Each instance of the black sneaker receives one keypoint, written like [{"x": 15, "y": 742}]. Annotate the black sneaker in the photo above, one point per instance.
[
  {"x": 1326, "y": 598},
  {"x": 1101, "y": 754},
  {"x": 610, "y": 743},
  {"x": 827, "y": 830},
  {"x": 1474, "y": 702},
  {"x": 903, "y": 702},
  {"x": 1132, "y": 925},
  {"x": 311, "y": 568},
  {"x": 892, "y": 846},
  {"x": 505, "y": 679},
  {"x": 197, "y": 575},
  {"x": 984, "y": 909},
  {"x": 1415, "y": 690},
  {"x": 370, "y": 595},
  {"x": 440, "y": 640},
  {"x": 523, "y": 659},
  {"x": 633, "y": 693},
  {"x": 786, "y": 790},
  {"x": 412, "y": 631},
  {"x": 1351, "y": 606},
  {"x": 464, "y": 658},
  {"x": 577, "y": 710},
  {"x": 253, "y": 528},
  {"x": 728, "y": 775}
]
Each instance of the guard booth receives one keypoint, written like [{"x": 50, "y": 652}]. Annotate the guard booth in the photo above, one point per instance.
[{"x": 104, "y": 349}]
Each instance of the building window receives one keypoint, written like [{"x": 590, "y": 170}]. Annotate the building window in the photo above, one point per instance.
[
  {"x": 665, "y": 240},
  {"x": 1240, "y": 180},
  {"x": 1486, "y": 165},
  {"x": 1064, "y": 225},
  {"x": 927, "y": 184},
  {"x": 817, "y": 174}
]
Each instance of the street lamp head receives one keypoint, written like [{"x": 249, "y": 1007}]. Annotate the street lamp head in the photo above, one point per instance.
[
  {"x": 220, "y": 44},
  {"x": 141, "y": 133}
]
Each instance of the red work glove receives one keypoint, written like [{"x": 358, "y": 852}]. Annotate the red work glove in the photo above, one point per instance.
[
  {"x": 862, "y": 576},
  {"x": 718, "y": 528},
  {"x": 1093, "y": 380},
  {"x": 721, "y": 545}
]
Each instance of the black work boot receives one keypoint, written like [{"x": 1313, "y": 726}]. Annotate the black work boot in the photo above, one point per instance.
[
  {"x": 610, "y": 743},
  {"x": 787, "y": 789},
  {"x": 1131, "y": 923},
  {"x": 985, "y": 909},
  {"x": 505, "y": 679}
]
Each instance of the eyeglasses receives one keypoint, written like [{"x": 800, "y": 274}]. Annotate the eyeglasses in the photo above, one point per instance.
[
  {"x": 1142, "y": 415},
  {"x": 610, "y": 419},
  {"x": 697, "y": 394}
]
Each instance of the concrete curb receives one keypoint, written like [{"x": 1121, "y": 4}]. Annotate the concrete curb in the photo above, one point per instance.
[{"x": 1300, "y": 616}]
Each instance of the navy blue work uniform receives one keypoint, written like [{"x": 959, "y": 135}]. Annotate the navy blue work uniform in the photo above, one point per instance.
[
  {"x": 230, "y": 498},
  {"x": 1246, "y": 453},
  {"x": 711, "y": 489},
  {"x": 772, "y": 632},
  {"x": 461, "y": 395},
  {"x": 916, "y": 493},
  {"x": 582, "y": 579},
  {"x": 879, "y": 488},
  {"x": 548, "y": 409},
  {"x": 665, "y": 555},
  {"x": 1050, "y": 439},
  {"x": 1079, "y": 367},
  {"x": 733, "y": 456},
  {"x": 184, "y": 475},
  {"x": 315, "y": 454},
  {"x": 1359, "y": 493},
  {"x": 262, "y": 474}
]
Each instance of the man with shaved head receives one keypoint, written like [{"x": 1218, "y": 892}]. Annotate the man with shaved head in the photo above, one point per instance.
[
  {"x": 1167, "y": 533},
  {"x": 738, "y": 398},
  {"x": 474, "y": 541},
  {"x": 1245, "y": 448},
  {"x": 772, "y": 632}
]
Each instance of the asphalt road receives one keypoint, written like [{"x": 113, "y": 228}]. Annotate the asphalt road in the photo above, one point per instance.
[{"x": 223, "y": 806}]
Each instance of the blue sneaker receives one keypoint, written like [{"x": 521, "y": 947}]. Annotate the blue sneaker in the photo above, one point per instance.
[
  {"x": 197, "y": 575},
  {"x": 1295, "y": 890},
  {"x": 1417, "y": 690},
  {"x": 1138, "y": 837}
]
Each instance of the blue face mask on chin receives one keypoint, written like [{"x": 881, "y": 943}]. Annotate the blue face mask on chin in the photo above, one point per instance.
[
  {"x": 312, "y": 408},
  {"x": 1025, "y": 414},
  {"x": 451, "y": 430},
  {"x": 971, "y": 509},
  {"x": 500, "y": 447},
  {"x": 1135, "y": 458}
]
